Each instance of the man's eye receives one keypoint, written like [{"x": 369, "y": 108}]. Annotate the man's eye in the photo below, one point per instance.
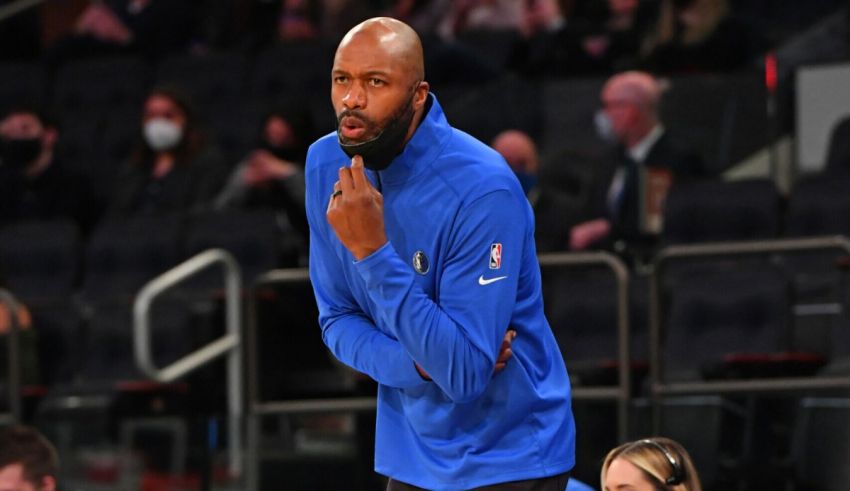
[
  {"x": 376, "y": 82},
  {"x": 340, "y": 79}
]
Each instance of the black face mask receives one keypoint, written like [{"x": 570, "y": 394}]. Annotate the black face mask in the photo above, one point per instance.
[
  {"x": 379, "y": 152},
  {"x": 19, "y": 152}
]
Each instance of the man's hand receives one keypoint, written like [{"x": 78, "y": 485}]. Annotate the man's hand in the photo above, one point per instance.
[
  {"x": 505, "y": 352},
  {"x": 586, "y": 234},
  {"x": 263, "y": 167},
  {"x": 356, "y": 211}
]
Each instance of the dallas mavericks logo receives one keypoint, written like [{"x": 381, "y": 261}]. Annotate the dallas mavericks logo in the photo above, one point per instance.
[{"x": 420, "y": 262}]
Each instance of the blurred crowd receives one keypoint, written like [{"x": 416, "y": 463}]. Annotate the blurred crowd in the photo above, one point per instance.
[{"x": 552, "y": 37}]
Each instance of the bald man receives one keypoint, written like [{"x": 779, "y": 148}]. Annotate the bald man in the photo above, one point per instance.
[
  {"x": 422, "y": 258},
  {"x": 520, "y": 152},
  {"x": 629, "y": 119}
]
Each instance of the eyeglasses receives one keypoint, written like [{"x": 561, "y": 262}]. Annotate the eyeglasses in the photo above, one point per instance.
[{"x": 678, "y": 475}]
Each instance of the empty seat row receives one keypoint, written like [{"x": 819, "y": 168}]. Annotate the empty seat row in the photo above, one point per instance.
[
  {"x": 48, "y": 260},
  {"x": 716, "y": 211}
]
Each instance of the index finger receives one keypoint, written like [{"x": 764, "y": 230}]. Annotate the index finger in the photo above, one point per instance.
[{"x": 358, "y": 173}]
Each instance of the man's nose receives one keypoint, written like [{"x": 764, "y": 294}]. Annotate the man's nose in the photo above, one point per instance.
[{"x": 355, "y": 97}]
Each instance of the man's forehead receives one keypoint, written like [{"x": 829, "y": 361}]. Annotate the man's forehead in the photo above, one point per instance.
[{"x": 361, "y": 59}]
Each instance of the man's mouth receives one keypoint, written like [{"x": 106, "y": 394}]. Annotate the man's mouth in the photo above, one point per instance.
[{"x": 352, "y": 128}]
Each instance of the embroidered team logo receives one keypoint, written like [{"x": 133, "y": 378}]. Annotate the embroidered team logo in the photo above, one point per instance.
[
  {"x": 495, "y": 256},
  {"x": 420, "y": 262}
]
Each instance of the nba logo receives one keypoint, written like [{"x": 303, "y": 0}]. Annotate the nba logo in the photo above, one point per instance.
[{"x": 495, "y": 256}]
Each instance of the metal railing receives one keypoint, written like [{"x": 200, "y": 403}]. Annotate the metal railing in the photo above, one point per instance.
[
  {"x": 7, "y": 11},
  {"x": 13, "y": 383},
  {"x": 661, "y": 388},
  {"x": 621, "y": 392},
  {"x": 229, "y": 344},
  {"x": 257, "y": 408}
]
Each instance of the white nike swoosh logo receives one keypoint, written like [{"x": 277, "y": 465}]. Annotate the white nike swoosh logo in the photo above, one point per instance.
[{"x": 482, "y": 281}]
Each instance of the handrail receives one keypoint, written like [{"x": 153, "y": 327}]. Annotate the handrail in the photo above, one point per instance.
[
  {"x": 660, "y": 388},
  {"x": 229, "y": 344},
  {"x": 8, "y": 11},
  {"x": 14, "y": 382},
  {"x": 621, "y": 392}
]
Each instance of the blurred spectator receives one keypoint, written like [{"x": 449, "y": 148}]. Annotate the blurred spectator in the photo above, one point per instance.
[
  {"x": 28, "y": 461},
  {"x": 625, "y": 204},
  {"x": 34, "y": 185},
  {"x": 151, "y": 28},
  {"x": 272, "y": 175},
  {"x": 424, "y": 16},
  {"x": 520, "y": 152},
  {"x": 483, "y": 14},
  {"x": 589, "y": 37},
  {"x": 702, "y": 36},
  {"x": 175, "y": 168},
  {"x": 298, "y": 20}
]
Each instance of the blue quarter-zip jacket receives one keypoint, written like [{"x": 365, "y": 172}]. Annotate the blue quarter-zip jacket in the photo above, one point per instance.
[{"x": 458, "y": 270}]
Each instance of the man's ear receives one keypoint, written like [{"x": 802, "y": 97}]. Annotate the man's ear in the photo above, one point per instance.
[{"x": 421, "y": 95}]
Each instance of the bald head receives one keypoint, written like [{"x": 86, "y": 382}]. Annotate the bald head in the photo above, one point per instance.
[
  {"x": 518, "y": 150},
  {"x": 639, "y": 88},
  {"x": 393, "y": 38}
]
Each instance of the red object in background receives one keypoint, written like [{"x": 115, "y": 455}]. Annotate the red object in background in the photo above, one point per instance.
[{"x": 770, "y": 77}]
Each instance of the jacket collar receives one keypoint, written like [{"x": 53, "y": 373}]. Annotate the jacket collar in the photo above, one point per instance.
[{"x": 424, "y": 146}]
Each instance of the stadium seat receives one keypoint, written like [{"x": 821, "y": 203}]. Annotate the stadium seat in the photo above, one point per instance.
[
  {"x": 252, "y": 237},
  {"x": 717, "y": 211},
  {"x": 210, "y": 80},
  {"x": 21, "y": 82},
  {"x": 821, "y": 446},
  {"x": 100, "y": 86},
  {"x": 738, "y": 319},
  {"x": 123, "y": 254},
  {"x": 40, "y": 260}
]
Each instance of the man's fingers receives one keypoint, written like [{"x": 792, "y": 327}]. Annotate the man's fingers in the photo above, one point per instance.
[
  {"x": 345, "y": 180},
  {"x": 336, "y": 189},
  {"x": 504, "y": 355},
  {"x": 358, "y": 173}
]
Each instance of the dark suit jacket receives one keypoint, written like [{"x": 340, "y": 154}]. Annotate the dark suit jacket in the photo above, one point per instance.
[
  {"x": 189, "y": 186},
  {"x": 666, "y": 153}
]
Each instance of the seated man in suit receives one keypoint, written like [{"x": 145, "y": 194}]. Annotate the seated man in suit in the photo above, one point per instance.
[{"x": 625, "y": 206}]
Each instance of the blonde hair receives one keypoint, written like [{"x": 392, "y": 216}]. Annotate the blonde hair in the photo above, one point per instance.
[{"x": 661, "y": 459}]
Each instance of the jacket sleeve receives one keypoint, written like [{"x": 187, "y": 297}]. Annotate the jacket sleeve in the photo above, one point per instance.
[
  {"x": 347, "y": 331},
  {"x": 457, "y": 338}
]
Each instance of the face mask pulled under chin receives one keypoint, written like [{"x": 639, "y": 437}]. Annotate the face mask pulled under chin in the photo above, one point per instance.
[
  {"x": 379, "y": 152},
  {"x": 162, "y": 134},
  {"x": 18, "y": 153},
  {"x": 604, "y": 127}
]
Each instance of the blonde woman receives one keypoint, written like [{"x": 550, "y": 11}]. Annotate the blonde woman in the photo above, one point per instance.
[{"x": 651, "y": 464}]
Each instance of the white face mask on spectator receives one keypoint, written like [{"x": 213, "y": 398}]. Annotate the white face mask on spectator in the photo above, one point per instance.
[
  {"x": 604, "y": 127},
  {"x": 162, "y": 134}
]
